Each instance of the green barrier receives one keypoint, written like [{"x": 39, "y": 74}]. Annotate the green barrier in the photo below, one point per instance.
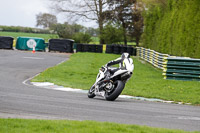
[
  {"x": 181, "y": 78},
  {"x": 183, "y": 75},
  {"x": 183, "y": 63},
  {"x": 183, "y": 59},
  {"x": 27, "y": 43},
  {"x": 181, "y": 68},
  {"x": 182, "y": 71}
]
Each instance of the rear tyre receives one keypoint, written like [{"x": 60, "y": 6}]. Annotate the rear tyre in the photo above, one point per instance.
[
  {"x": 118, "y": 87},
  {"x": 91, "y": 92}
]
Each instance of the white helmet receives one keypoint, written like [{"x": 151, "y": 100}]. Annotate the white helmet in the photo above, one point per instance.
[{"x": 125, "y": 55}]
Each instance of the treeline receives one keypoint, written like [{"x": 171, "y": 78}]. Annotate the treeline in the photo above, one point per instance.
[
  {"x": 78, "y": 33},
  {"x": 173, "y": 27},
  {"x": 24, "y": 29}
]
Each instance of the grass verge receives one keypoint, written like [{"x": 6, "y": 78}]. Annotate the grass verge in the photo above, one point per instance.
[
  {"x": 81, "y": 69},
  {"x": 65, "y": 126}
]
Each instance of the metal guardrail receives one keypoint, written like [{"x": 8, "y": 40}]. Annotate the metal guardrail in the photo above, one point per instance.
[{"x": 155, "y": 58}]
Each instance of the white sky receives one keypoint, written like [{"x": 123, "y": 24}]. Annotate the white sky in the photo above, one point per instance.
[{"x": 23, "y": 12}]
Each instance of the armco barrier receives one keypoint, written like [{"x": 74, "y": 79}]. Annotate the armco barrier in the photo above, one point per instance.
[
  {"x": 181, "y": 68},
  {"x": 155, "y": 58}
]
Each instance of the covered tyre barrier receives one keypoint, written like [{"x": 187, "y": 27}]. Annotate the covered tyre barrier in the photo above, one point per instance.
[
  {"x": 109, "y": 48},
  {"x": 119, "y": 49},
  {"x": 89, "y": 48},
  {"x": 27, "y": 43},
  {"x": 92, "y": 48},
  {"x": 116, "y": 49},
  {"x": 99, "y": 48},
  {"x": 79, "y": 47},
  {"x": 61, "y": 45},
  {"x": 130, "y": 50},
  {"x": 6, "y": 42},
  {"x": 123, "y": 49},
  {"x": 86, "y": 48}
]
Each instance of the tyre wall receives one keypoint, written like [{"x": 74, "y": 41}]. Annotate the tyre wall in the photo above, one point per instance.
[
  {"x": 6, "y": 42},
  {"x": 119, "y": 49},
  {"x": 61, "y": 45},
  {"x": 89, "y": 48}
]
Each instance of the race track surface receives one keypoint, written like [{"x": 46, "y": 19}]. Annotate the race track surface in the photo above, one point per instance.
[{"x": 18, "y": 100}]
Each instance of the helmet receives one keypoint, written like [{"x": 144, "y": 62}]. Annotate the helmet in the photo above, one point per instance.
[{"x": 125, "y": 55}]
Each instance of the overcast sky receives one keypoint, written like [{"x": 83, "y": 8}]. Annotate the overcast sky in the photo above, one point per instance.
[{"x": 23, "y": 12}]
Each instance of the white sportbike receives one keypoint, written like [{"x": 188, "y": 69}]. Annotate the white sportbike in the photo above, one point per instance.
[{"x": 110, "y": 85}]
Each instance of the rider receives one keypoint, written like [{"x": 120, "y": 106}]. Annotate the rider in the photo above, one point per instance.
[{"x": 125, "y": 63}]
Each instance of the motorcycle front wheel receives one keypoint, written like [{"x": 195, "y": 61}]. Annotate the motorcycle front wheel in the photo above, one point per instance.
[
  {"x": 118, "y": 87},
  {"x": 91, "y": 92}
]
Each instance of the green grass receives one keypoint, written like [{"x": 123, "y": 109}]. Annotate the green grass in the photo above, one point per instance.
[
  {"x": 19, "y": 34},
  {"x": 65, "y": 126},
  {"x": 81, "y": 69},
  {"x": 95, "y": 40}
]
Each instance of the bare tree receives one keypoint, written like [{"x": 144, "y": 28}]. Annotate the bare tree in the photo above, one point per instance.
[
  {"x": 45, "y": 20},
  {"x": 93, "y": 10}
]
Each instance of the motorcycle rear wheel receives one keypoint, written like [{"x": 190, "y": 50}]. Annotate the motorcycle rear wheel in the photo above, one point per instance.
[
  {"x": 91, "y": 92},
  {"x": 119, "y": 86}
]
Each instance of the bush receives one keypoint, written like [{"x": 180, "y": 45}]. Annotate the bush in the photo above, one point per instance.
[
  {"x": 82, "y": 37},
  {"x": 112, "y": 34}
]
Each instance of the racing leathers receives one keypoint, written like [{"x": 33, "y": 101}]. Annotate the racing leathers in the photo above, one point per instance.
[{"x": 124, "y": 63}]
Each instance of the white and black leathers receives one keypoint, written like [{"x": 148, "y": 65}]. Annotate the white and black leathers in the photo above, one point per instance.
[{"x": 125, "y": 63}]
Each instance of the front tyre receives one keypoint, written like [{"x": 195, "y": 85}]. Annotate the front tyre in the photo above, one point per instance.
[
  {"x": 91, "y": 92},
  {"x": 118, "y": 87}
]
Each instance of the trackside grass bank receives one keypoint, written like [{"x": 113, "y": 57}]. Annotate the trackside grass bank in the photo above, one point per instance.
[
  {"x": 65, "y": 126},
  {"x": 81, "y": 69}
]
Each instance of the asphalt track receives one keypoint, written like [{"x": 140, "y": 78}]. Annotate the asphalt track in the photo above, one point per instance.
[{"x": 18, "y": 100}]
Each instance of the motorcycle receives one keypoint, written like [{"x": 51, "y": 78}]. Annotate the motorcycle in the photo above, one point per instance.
[{"x": 109, "y": 85}]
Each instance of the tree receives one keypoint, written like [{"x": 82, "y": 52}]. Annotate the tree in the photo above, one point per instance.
[
  {"x": 45, "y": 20},
  {"x": 112, "y": 33},
  {"x": 121, "y": 11},
  {"x": 82, "y": 37},
  {"x": 92, "y": 31},
  {"x": 136, "y": 28},
  {"x": 67, "y": 30},
  {"x": 63, "y": 30},
  {"x": 84, "y": 9},
  {"x": 150, "y": 3}
]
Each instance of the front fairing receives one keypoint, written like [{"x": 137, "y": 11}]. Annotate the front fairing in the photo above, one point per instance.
[{"x": 100, "y": 76}]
